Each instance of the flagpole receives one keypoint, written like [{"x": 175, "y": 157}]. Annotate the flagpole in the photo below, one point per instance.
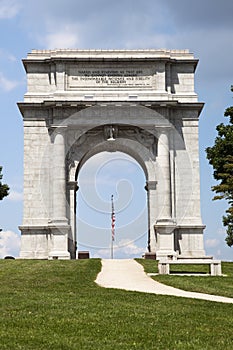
[
  {"x": 112, "y": 226},
  {"x": 111, "y": 249}
]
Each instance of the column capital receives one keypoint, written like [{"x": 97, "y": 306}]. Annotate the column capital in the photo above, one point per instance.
[
  {"x": 73, "y": 185},
  {"x": 151, "y": 185},
  {"x": 166, "y": 225},
  {"x": 163, "y": 130},
  {"x": 58, "y": 129}
]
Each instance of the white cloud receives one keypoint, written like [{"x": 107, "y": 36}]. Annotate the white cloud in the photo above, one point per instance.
[
  {"x": 123, "y": 250},
  {"x": 66, "y": 37},
  {"x": 11, "y": 58},
  {"x": 129, "y": 248},
  {"x": 102, "y": 254},
  {"x": 7, "y": 56},
  {"x": 15, "y": 196},
  {"x": 212, "y": 243},
  {"x": 9, "y": 244},
  {"x": 219, "y": 253},
  {"x": 221, "y": 231},
  {"x": 8, "y": 9},
  {"x": 7, "y": 84},
  {"x": 91, "y": 24}
]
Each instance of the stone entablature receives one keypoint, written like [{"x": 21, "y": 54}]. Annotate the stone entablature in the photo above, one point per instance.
[
  {"x": 118, "y": 75},
  {"x": 74, "y": 99}
]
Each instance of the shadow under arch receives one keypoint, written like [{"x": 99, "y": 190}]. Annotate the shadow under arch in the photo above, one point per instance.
[{"x": 141, "y": 145}]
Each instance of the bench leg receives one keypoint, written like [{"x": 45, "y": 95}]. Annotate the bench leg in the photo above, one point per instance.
[
  {"x": 215, "y": 269},
  {"x": 164, "y": 268}
]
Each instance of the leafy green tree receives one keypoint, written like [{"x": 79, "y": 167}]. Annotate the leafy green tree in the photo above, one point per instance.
[
  {"x": 220, "y": 156},
  {"x": 4, "y": 189}
]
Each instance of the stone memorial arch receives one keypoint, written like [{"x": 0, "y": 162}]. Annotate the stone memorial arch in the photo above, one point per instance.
[{"x": 76, "y": 101}]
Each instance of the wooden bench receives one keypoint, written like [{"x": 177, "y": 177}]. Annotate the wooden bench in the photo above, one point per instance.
[{"x": 215, "y": 265}]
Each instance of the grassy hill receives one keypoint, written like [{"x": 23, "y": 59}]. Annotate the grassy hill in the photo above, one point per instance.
[{"x": 56, "y": 305}]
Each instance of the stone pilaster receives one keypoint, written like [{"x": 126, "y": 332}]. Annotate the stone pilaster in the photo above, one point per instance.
[
  {"x": 165, "y": 225},
  {"x": 151, "y": 198},
  {"x": 164, "y": 176},
  {"x": 59, "y": 179},
  {"x": 59, "y": 223},
  {"x": 72, "y": 239}
]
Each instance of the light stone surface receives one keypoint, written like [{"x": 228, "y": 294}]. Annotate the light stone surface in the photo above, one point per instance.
[
  {"x": 129, "y": 275},
  {"x": 215, "y": 265},
  {"x": 72, "y": 100}
]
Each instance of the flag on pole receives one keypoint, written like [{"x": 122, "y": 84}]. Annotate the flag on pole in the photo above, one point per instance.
[{"x": 113, "y": 220}]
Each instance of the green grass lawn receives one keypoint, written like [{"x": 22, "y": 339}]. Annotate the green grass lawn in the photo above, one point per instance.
[
  {"x": 56, "y": 305},
  {"x": 218, "y": 285}
]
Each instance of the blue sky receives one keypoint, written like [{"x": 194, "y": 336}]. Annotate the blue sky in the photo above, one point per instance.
[{"x": 204, "y": 27}]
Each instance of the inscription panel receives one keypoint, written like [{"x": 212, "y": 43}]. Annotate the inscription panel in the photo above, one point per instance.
[{"x": 96, "y": 77}]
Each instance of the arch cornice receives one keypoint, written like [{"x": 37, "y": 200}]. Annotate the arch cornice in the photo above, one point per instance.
[{"x": 63, "y": 110}]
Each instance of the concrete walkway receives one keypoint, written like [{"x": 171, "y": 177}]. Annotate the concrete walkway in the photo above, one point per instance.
[{"x": 129, "y": 275}]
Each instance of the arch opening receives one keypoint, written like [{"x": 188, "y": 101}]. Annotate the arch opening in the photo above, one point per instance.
[{"x": 102, "y": 175}]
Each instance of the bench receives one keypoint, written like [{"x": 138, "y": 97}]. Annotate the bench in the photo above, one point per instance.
[{"x": 215, "y": 265}]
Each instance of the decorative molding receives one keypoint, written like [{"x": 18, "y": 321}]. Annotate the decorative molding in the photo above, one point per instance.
[
  {"x": 101, "y": 134},
  {"x": 151, "y": 185}
]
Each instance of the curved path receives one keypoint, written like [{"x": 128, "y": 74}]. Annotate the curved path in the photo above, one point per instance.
[{"x": 129, "y": 275}]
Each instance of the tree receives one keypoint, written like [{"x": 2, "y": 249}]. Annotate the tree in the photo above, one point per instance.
[
  {"x": 4, "y": 189},
  {"x": 220, "y": 156}
]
